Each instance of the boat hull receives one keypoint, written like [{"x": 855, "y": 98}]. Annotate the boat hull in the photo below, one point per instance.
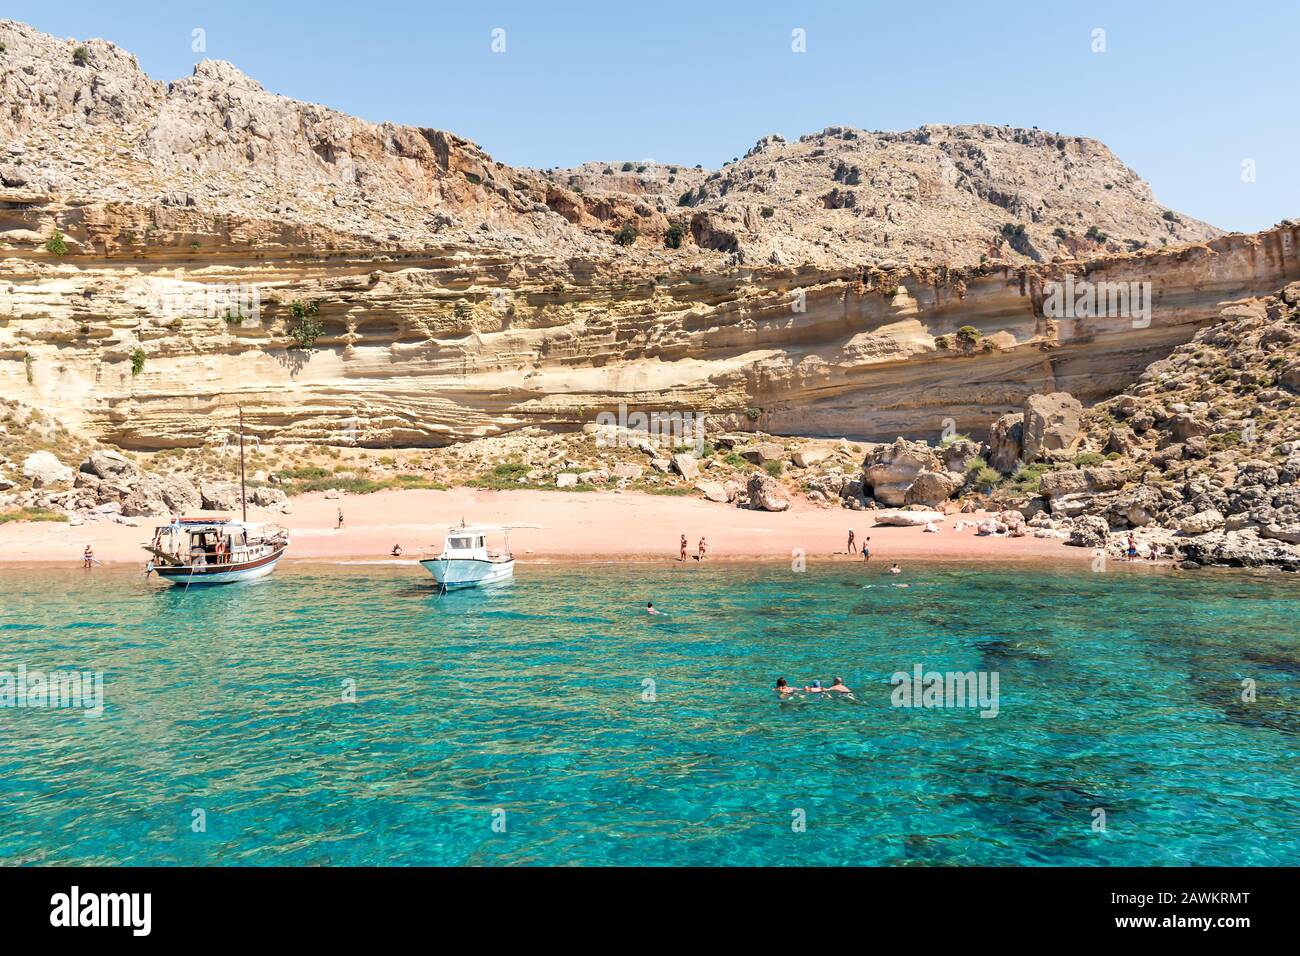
[
  {"x": 455, "y": 573},
  {"x": 221, "y": 573}
]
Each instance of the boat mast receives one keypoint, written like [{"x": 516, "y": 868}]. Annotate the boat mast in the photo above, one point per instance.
[{"x": 243, "y": 495}]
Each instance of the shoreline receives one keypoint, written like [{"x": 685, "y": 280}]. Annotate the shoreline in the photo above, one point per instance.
[{"x": 573, "y": 528}]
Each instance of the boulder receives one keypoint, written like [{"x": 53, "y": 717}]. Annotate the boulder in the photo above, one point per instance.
[
  {"x": 1014, "y": 522},
  {"x": 890, "y": 470},
  {"x": 900, "y": 518},
  {"x": 933, "y": 487},
  {"x": 688, "y": 466},
  {"x": 628, "y": 471},
  {"x": 267, "y": 497},
  {"x": 1089, "y": 532},
  {"x": 1051, "y": 423},
  {"x": 713, "y": 491},
  {"x": 959, "y": 454},
  {"x": 767, "y": 493},
  {"x": 661, "y": 464},
  {"x": 180, "y": 495},
  {"x": 809, "y": 456},
  {"x": 43, "y": 470},
  {"x": 222, "y": 496},
  {"x": 1058, "y": 484},
  {"x": 5, "y": 483},
  {"x": 597, "y": 476},
  {"x": 107, "y": 463},
  {"x": 762, "y": 452},
  {"x": 566, "y": 479},
  {"x": 1005, "y": 443},
  {"x": 1202, "y": 522},
  {"x": 1185, "y": 426}
]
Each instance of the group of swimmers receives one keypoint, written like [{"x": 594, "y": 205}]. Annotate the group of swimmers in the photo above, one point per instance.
[{"x": 783, "y": 688}]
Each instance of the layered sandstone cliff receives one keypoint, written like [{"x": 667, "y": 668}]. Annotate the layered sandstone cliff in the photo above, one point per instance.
[{"x": 821, "y": 287}]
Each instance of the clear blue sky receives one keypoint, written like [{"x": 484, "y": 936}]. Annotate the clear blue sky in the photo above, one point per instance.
[{"x": 1184, "y": 92}]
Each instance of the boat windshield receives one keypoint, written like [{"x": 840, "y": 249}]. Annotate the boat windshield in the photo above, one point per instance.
[{"x": 461, "y": 544}]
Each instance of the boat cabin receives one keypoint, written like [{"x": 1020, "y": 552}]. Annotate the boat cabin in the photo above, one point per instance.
[{"x": 202, "y": 542}]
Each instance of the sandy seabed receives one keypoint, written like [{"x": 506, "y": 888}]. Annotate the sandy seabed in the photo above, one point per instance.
[{"x": 572, "y": 526}]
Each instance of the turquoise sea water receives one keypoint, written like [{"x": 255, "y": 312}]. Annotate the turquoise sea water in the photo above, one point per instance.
[{"x": 1119, "y": 691}]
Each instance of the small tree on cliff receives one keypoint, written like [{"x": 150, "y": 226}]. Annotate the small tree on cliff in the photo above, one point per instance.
[
  {"x": 626, "y": 236},
  {"x": 304, "y": 326},
  {"x": 673, "y": 237},
  {"x": 56, "y": 246}
]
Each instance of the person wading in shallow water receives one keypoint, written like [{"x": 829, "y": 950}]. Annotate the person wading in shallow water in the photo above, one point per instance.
[
  {"x": 866, "y": 550},
  {"x": 397, "y": 551},
  {"x": 87, "y": 557}
]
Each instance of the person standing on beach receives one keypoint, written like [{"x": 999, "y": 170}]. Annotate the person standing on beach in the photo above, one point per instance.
[
  {"x": 87, "y": 557},
  {"x": 851, "y": 549},
  {"x": 703, "y": 550},
  {"x": 866, "y": 550},
  {"x": 683, "y": 557},
  {"x": 1132, "y": 549},
  {"x": 340, "y": 524}
]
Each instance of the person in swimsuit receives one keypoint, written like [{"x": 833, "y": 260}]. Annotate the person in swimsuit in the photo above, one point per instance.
[
  {"x": 895, "y": 569},
  {"x": 87, "y": 557},
  {"x": 782, "y": 688},
  {"x": 1132, "y": 548},
  {"x": 650, "y": 608},
  {"x": 866, "y": 550},
  {"x": 839, "y": 687},
  {"x": 683, "y": 556},
  {"x": 851, "y": 549},
  {"x": 703, "y": 550},
  {"x": 397, "y": 551},
  {"x": 815, "y": 688},
  {"x": 340, "y": 524}
]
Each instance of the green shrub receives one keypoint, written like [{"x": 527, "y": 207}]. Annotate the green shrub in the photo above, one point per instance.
[
  {"x": 734, "y": 460},
  {"x": 627, "y": 167},
  {"x": 980, "y": 475},
  {"x": 753, "y": 414},
  {"x": 969, "y": 334},
  {"x": 474, "y": 178},
  {"x": 626, "y": 236},
  {"x": 1087, "y": 459},
  {"x": 81, "y": 56},
  {"x": 304, "y": 326},
  {"x": 767, "y": 212},
  {"x": 56, "y": 246},
  {"x": 673, "y": 237},
  {"x": 774, "y": 468},
  {"x": 137, "y": 361},
  {"x": 32, "y": 514},
  {"x": 1095, "y": 234}
]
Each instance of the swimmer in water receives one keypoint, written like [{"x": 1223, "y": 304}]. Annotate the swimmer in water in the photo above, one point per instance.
[
  {"x": 782, "y": 688},
  {"x": 650, "y": 608},
  {"x": 895, "y": 569},
  {"x": 839, "y": 687},
  {"x": 815, "y": 687}
]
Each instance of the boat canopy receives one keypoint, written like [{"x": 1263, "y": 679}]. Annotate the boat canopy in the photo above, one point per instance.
[{"x": 212, "y": 524}]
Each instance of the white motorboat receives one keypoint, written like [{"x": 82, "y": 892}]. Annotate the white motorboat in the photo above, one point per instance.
[{"x": 467, "y": 562}]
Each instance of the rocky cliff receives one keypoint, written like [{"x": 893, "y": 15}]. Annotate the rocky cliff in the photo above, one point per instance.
[{"x": 170, "y": 252}]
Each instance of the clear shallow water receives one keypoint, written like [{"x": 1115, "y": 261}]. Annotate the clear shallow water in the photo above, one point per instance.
[{"x": 1118, "y": 690}]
